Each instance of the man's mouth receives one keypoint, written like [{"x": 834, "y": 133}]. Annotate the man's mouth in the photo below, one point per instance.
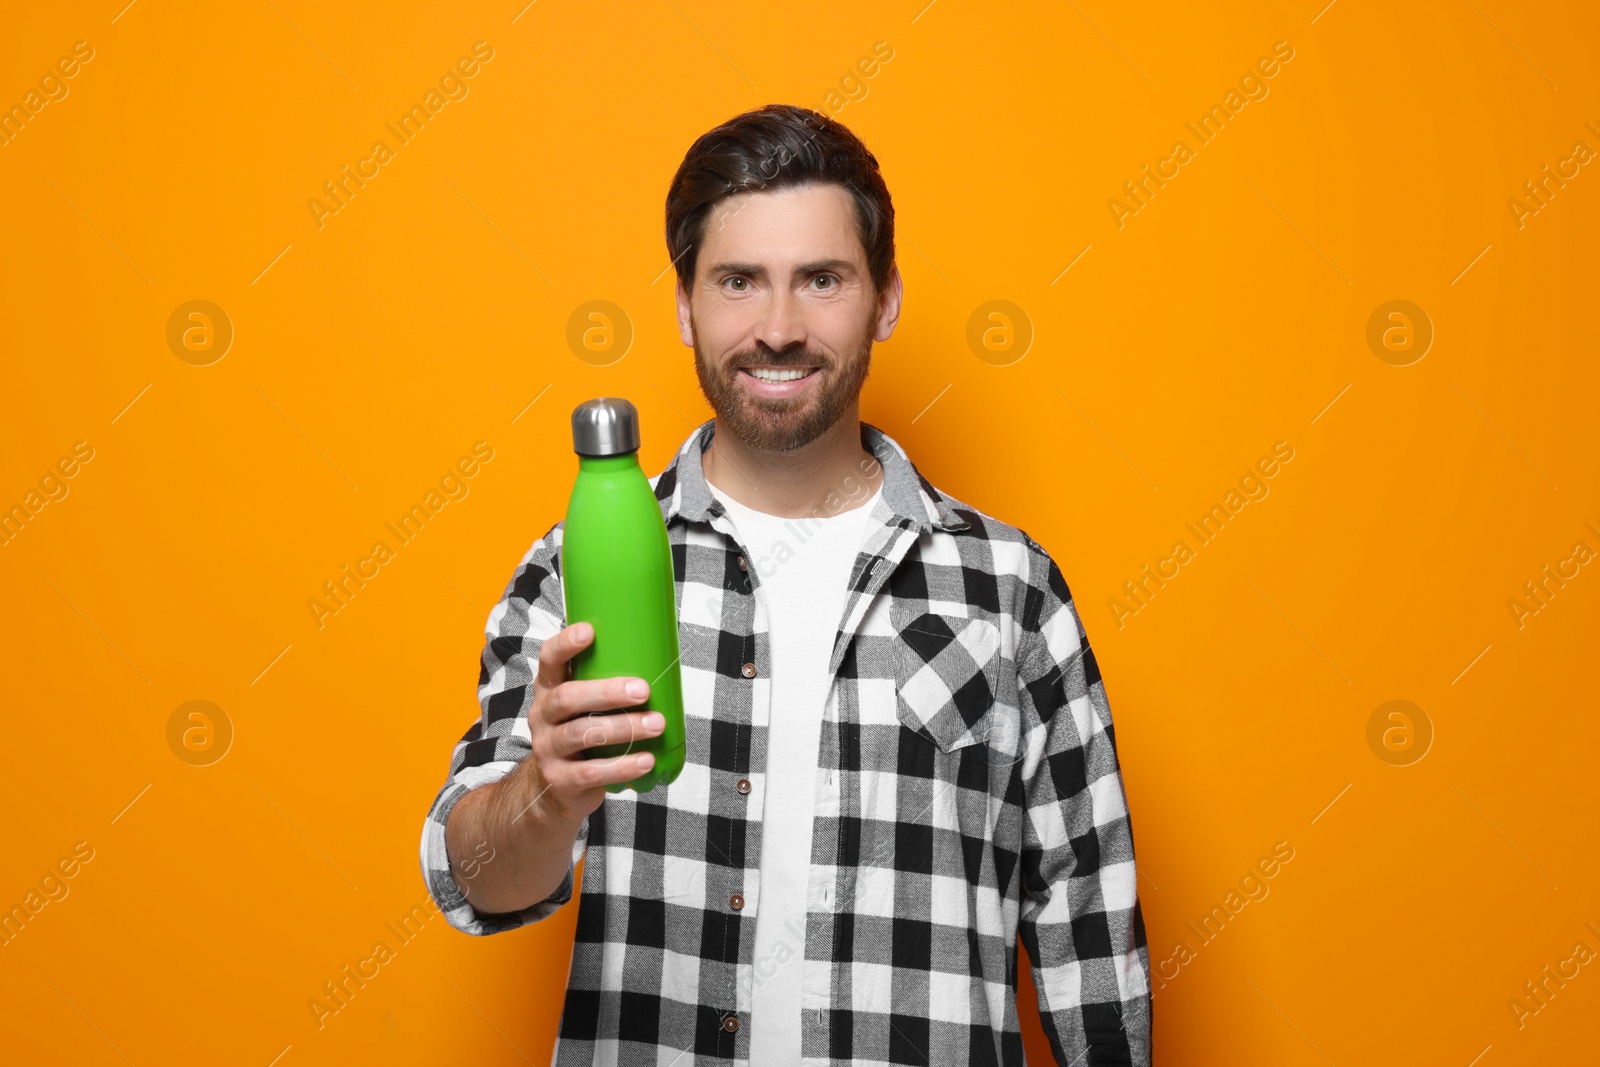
[
  {"x": 778, "y": 381},
  {"x": 779, "y": 374}
]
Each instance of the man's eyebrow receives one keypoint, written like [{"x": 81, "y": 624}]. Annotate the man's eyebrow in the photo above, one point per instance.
[{"x": 755, "y": 270}]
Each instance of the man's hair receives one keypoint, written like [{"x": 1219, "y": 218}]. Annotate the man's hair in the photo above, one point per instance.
[{"x": 776, "y": 147}]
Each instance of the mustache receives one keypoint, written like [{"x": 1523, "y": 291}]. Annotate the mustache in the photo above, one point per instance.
[{"x": 802, "y": 359}]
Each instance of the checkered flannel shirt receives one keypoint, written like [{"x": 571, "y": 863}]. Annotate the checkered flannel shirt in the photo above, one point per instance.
[{"x": 967, "y": 788}]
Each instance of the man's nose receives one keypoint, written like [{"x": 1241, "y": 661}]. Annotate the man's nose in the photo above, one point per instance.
[{"x": 783, "y": 321}]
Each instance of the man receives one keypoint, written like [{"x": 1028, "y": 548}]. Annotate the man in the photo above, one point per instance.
[{"x": 899, "y": 752}]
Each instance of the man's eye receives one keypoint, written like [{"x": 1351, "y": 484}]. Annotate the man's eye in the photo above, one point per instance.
[{"x": 739, "y": 284}]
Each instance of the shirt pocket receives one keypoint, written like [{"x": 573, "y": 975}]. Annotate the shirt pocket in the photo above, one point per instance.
[{"x": 945, "y": 671}]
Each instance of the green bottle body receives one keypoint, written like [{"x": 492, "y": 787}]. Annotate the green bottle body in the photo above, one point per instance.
[{"x": 616, "y": 574}]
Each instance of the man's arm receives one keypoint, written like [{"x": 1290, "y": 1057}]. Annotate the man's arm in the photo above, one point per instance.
[
  {"x": 1080, "y": 918},
  {"x": 504, "y": 835}
]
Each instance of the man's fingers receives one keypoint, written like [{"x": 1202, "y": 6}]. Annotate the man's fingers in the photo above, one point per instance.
[
  {"x": 597, "y": 694},
  {"x": 556, "y": 652},
  {"x": 580, "y": 776},
  {"x": 610, "y": 728}
]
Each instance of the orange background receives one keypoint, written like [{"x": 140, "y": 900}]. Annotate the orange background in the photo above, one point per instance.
[{"x": 1228, "y": 314}]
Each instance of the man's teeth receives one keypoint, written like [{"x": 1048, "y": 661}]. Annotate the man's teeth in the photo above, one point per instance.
[{"x": 787, "y": 374}]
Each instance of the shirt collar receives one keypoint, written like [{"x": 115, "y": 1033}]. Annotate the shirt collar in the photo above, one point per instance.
[{"x": 682, "y": 490}]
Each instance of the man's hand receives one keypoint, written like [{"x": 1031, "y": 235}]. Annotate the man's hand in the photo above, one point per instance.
[
  {"x": 566, "y": 718},
  {"x": 529, "y": 820}
]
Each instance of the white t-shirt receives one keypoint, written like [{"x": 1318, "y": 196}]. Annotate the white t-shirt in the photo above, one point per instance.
[{"x": 802, "y": 568}]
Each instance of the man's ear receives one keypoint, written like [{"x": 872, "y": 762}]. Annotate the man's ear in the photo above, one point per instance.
[
  {"x": 685, "y": 328},
  {"x": 889, "y": 306}
]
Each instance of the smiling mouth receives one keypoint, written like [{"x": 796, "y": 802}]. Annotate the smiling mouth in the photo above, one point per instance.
[{"x": 779, "y": 374}]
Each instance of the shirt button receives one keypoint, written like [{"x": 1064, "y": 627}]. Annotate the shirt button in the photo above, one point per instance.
[
  {"x": 742, "y": 785},
  {"x": 743, "y": 565},
  {"x": 736, "y": 902},
  {"x": 748, "y": 670},
  {"x": 730, "y": 1023}
]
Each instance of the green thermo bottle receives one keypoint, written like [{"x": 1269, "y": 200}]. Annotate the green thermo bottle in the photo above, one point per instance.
[{"x": 616, "y": 574}]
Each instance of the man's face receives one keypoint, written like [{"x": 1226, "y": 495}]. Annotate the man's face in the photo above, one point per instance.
[{"x": 782, "y": 288}]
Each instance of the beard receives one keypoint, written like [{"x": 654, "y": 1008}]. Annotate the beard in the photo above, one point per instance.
[{"x": 781, "y": 424}]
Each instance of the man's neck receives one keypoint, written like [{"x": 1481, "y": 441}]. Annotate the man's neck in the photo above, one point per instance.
[{"x": 829, "y": 476}]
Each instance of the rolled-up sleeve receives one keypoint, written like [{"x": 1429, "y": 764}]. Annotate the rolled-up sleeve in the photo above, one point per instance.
[
  {"x": 1080, "y": 918},
  {"x": 531, "y": 611}
]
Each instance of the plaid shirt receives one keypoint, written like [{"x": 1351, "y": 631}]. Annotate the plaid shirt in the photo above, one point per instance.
[{"x": 967, "y": 789}]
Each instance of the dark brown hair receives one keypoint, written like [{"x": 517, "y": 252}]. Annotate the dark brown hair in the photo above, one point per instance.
[{"x": 774, "y": 147}]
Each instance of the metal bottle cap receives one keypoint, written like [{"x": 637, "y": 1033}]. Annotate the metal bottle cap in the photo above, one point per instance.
[{"x": 605, "y": 426}]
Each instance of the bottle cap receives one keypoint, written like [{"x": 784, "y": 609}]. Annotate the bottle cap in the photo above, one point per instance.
[{"x": 605, "y": 426}]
